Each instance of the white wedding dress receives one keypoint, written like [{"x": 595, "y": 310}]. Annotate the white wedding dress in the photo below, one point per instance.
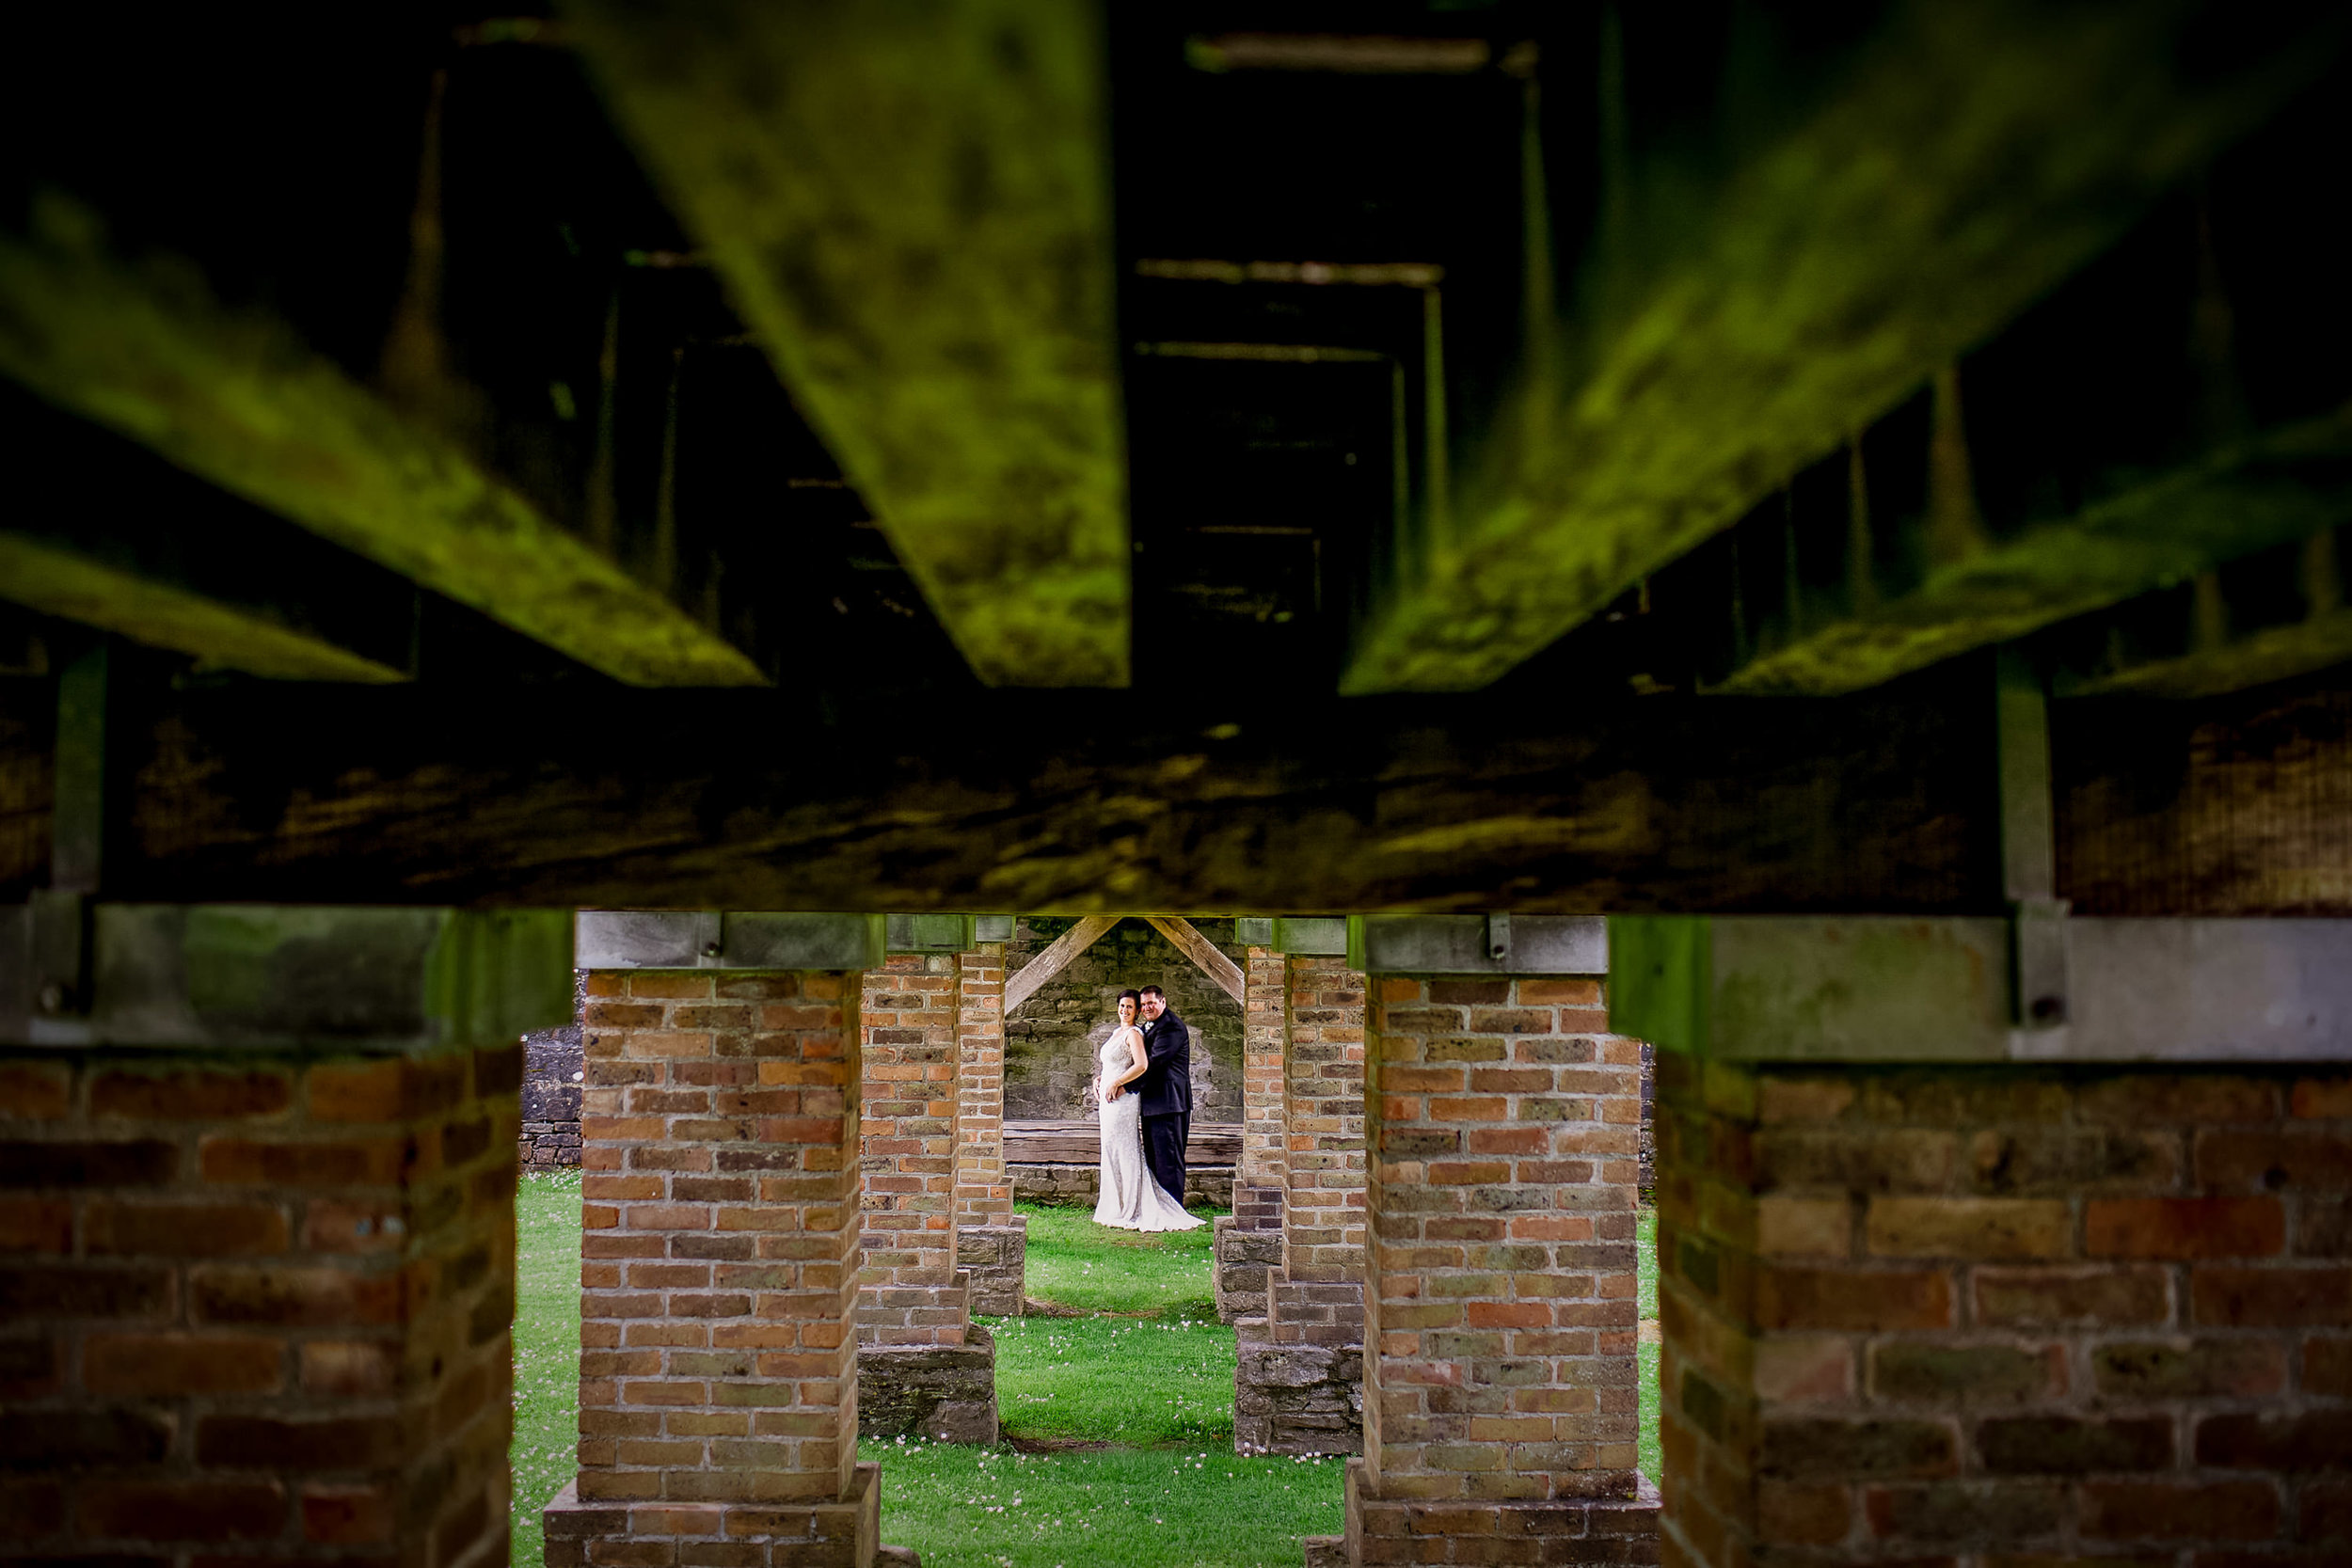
[{"x": 1131, "y": 1199}]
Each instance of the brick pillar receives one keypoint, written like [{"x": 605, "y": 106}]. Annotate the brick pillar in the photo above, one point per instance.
[
  {"x": 992, "y": 1242},
  {"x": 1249, "y": 1240},
  {"x": 1319, "y": 1297},
  {"x": 1500, "y": 1401},
  {"x": 1298, "y": 1383},
  {"x": 718, "y": 1404},
  {"x": 257, "y": 1306},
  {"x": 923, "y": 1366},
  {"x": 908, "y": 1290},
  {"x": 2006, "y": 1315}
]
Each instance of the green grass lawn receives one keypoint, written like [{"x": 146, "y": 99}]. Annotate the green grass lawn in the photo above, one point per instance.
[
  {"x": 1140, "y": 1372},
  {"x": 546, "y": 1450}
]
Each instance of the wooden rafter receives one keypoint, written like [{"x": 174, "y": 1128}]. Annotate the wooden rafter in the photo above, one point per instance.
[
  {"x": 237, "y": 400},
  {"x": 1967, "y": 159},
  {"x": 912, "y": 207},
  {"x": 1201, "y": 951},
  {"x": 1031, "y": 977}
]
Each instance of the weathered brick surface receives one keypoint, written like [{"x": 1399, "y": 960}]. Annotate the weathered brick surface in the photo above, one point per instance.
[
  {"x": 991, "y": 1240},
  {"x": 717, "y": 1402},
  {"x": 2005, "y": 1315},
  {"x": 909, "y": 1292},
  {"x": 256, "y": 1307},
  {"x": 1501, "y": 1406},
  {"x": 1264, "y": 1094}
]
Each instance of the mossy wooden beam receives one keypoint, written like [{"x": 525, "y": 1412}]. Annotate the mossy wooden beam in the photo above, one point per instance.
[
  {"x": 1961, "y": 162},
  {"x": 911, "y": 205},
  {"x": 1048, "y": 802},
  {"x": 2262, "y": 618},
  {"x": 2250, "y": 496},
  {"x": 235, "y": 399},
  {"x": 106, "y": 533},
  {"x": 56, "y": 579}
]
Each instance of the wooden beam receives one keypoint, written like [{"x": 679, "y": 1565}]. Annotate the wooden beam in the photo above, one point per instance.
[
  {"x": 1030, "y": 978},
  {"x": 235, "y": 399},
  {"x": 108, "y": 535},
  {"x": 2236, "y": 805},
  {"x": 1201, "y": 951},
  {"x": 911, "y": 205},
  {"x": 1962, "y": 161},
  {"x": 2268, "y": 617},
  {"x": 1054, "y": 805},
  {"x": 2251, "y": 495}
]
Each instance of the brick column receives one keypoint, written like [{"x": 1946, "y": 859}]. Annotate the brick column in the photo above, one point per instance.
[
  {"x": 923, "y": 1366},
  {"x": 717, "y": 1402},
  {"x": 1299, "y": 1388},
  {"x": 256, "y": 1307},
  {"x": 2006, "y": 1315},
  {"x": 1500, "y": 1401},
  {"x": 1249, "y": 1241},
  {"x": 992, "y": 1242},
  {"x": 909, "y": 1292}
]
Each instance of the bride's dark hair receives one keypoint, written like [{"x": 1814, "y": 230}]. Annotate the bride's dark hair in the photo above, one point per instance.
[{"x": 1133, "y": 996}]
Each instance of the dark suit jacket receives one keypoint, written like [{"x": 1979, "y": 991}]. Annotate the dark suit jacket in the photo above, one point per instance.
[{"x": 1167, "y": 1083}]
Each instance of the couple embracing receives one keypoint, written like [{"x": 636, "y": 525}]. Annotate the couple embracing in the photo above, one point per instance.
[{"x": 1143, "y": 1096}]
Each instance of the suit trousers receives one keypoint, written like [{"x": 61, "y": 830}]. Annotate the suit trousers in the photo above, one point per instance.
[{"x": 1164, "y": 1140}]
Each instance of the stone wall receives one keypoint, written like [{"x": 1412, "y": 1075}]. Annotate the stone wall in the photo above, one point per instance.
[
  {"x": 1050, "y": 1043},
  {"x": 552, "y": 1073},
  {"x": 256, "y": 1309},
  {"x": 2013, "y": 1315}
]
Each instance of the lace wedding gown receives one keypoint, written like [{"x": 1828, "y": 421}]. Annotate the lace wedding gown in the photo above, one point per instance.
[{"x": 1131, "y": 1199}]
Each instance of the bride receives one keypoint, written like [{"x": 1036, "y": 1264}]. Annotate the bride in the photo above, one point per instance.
[{"x": 1131, "y": 1199}]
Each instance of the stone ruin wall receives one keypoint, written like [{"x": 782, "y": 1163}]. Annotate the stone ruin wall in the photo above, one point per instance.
[
  {"x": 1050, "y": 1043},
  {"x": 552, "y": 1065}
]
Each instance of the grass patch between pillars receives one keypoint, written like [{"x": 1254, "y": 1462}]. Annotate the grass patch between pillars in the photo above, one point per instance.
[
  {"x": 545, "y": 1451},
  {"x": 1140, "y": 1372}
]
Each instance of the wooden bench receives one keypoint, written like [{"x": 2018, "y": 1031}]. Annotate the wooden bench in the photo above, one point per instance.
[{"x": 1076, "y": 1143}]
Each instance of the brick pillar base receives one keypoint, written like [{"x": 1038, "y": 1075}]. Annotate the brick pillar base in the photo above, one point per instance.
[
  {"x": 2006, "y": 1315},
  {"x": 256, "y": 1307},
  {"x": 1501, "y": 1408},
  {"x": 718, "y": 1407},
  {"x": 997, "y": 1259},
  {"x": 1243, "y": 1253}
]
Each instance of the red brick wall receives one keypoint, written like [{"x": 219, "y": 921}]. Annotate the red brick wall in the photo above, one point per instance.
[
  {"x": 1324, "y": 1221},
  {"x": 1258, "y": 1178},
  {"x": 2035, "y": 1315},
  {"x": 256, "y": 1307},
  {"x": 983, "y": 1190},
  {"x": 1504, "y": 1128},
  {"x": 719, "y": 1138},
  {"x": 907, "y": 1294}
]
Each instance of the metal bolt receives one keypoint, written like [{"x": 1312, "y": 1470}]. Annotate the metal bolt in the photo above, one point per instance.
[{"x": 52, "y": 998}]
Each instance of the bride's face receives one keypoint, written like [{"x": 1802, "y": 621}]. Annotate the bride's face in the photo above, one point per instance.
[{"x": 1126, "y": 1009}]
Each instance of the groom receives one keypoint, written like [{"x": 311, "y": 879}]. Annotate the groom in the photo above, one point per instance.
[{"x": 1166, "y": 1090}]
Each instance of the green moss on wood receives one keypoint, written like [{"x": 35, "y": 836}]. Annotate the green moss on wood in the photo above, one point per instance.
[
  {"x": 911, "y": 205},
  {"x": 236, "y": 399},
  {"x": 1965, "y": 160}
]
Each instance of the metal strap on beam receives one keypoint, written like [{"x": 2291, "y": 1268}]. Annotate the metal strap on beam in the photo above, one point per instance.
[
  {"x": 1478, "y": 943},
  {"x": 2038, "y": 923},
  {"x": 1890, "y": 989},
  {"x": 259, "y": 977},
  {"x": 704, "y": 939}
]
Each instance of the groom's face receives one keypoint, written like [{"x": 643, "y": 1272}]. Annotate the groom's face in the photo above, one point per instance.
[{"x": 1153, "y": 1004}]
